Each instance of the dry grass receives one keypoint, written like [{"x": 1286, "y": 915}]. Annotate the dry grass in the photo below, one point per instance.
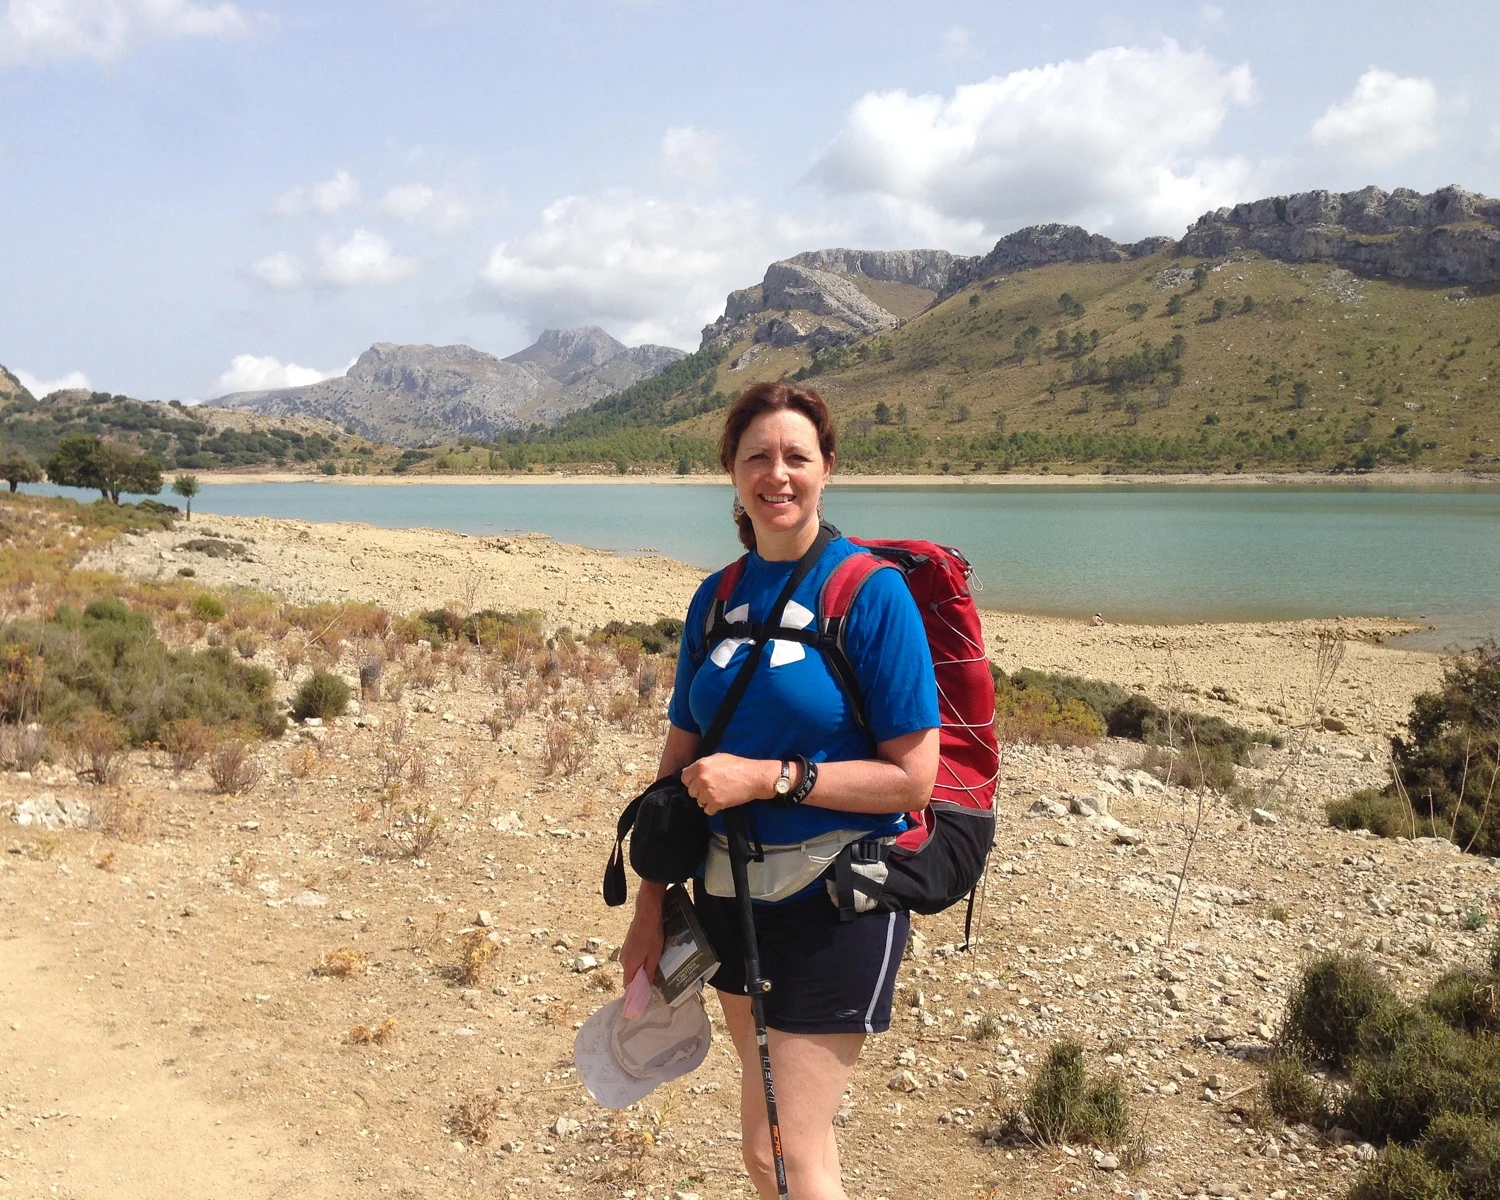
[
  {"x": 233, "y": 766},
  {"x": 373, "y": 1035},
  {"x": 185, "y": 743},
  {"x": 341, "y": 963},
  {"x": 302, "y": 761},
  {"x": 131, "y": 817},
  {"x": 564, "y": 751},
  {"x": 95, "y": 749},
  {"x": 472, "y": 1117},
  {"x": 415, "y": 831},
  {"x": 476, "y": 953}
]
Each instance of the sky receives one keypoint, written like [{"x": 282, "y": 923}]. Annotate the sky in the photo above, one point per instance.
[{"x": 205, "y": 196}]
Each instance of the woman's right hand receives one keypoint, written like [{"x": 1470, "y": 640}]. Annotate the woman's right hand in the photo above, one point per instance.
[{"x": 644, "y": 941}]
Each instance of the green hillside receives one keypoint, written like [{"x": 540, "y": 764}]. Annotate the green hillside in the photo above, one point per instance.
[
  {"x": 170, "y": 433},
  {"x": 1141, "y": 365}
]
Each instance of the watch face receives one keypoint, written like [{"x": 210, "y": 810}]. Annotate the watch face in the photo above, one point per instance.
[{"x": 783, "y": 786}]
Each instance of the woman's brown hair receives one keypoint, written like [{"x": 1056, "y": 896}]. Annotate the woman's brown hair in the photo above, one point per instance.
[{"x": 757, "y": 400}]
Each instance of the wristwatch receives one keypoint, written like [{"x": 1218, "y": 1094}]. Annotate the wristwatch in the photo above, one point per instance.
[
  {"x": 784, "y": 780},
  {"x": 788, "y": 796}
]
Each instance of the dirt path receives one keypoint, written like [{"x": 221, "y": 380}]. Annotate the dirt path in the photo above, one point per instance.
[{"x": 91, "y": 1107}]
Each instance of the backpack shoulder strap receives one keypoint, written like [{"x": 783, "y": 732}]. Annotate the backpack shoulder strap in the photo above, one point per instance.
[
  {"x": 715, "y": 627},
  {"x": 835, "y": 602}
]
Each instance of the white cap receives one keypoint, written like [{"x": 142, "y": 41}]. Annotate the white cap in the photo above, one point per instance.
[{"x": 620, "y": 1061}]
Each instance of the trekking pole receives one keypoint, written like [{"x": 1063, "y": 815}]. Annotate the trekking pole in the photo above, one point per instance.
[{"x": 739, "y": 858}]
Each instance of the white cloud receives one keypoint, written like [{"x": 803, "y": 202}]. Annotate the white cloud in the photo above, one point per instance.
[
  {"x": 1384, "y": 120},
  {"x": 257, "y": 373},
  {"x": 1116, "y": 142},
  {"x": 649, "y": 269},
  {"x": 280, "y": 270},
  {"x": 418, "y": 204},
  {"x": 958, "y": 43},
  {"x": 325, "y": 199},
  {"x": 690, "y": 154},
  {"x": 34, "y": 31},
  {"x": 39, "y": 387},
  {"x": 363, "y": 259}
]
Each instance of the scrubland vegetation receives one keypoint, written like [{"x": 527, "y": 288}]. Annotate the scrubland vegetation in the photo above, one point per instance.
[{"x": 1445, "y": 772}]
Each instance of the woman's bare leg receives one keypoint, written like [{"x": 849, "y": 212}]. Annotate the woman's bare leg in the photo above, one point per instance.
[{"x": 811, "y": 1072}]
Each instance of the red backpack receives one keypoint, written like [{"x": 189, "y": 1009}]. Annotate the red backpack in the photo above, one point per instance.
[{"x": 941, "y": 856}]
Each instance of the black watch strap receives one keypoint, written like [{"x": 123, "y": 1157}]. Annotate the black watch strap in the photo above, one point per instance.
[{"x": 804, "y": 785}]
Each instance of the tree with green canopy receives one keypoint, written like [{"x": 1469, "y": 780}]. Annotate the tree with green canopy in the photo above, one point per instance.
[
  {"x": 18, "y": 467},
  {"x": 82, "y": 460},
  {"x": 187, "y": 487}
]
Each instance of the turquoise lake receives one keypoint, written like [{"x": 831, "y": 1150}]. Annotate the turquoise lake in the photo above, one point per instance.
[{"x": 1132, "y": 552}]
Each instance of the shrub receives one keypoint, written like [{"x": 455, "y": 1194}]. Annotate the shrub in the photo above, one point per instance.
[
  {"x": 1025, "y": 714},
  {"x": 1467, "y": 1148},
  {"x": 1465, "y": 999},
  {"x": 658, "y": 637},
  {"x": 1395, "y": 1098},
  {"x": 185, "y": 743},
  {"x": 1381, "y": 812},
  {"x": 475, "y": 953},
  {"x": 1450, "y": 758},
  {"x": 1327, "y": 1007},
  {"x": 110, "y": 660},
  {"x": 1063, "y": 1104},
  {"x": 95, "y": 748},
  {"x": 246, "y": 644},
  {"x": 323, "y": 695},
  {"x": 233, "y": 766},
  {"x": 1192, "y": 766},
  {"x": 206, "y": 608},
  {"x": 1401, "y": 1174},
  {"x": 1292, "y": 1093}
]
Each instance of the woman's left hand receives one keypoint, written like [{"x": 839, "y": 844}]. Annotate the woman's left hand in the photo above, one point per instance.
[{"x": 723, "y": 781}]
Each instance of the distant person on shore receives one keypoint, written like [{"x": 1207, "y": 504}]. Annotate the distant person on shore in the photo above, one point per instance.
[
  {"x": 794, "y": 754},
  {"x": 1098, "y": 619}
]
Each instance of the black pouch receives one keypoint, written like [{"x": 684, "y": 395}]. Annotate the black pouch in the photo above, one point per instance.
[
  {"x": 669, "y": 840},
  {"x": 670, "y": 837}
]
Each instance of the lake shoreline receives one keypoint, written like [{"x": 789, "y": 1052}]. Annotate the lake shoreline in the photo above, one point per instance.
[{"x": 1379, "y": 479}]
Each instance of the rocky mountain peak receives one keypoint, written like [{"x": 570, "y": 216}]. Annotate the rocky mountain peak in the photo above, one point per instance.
[
  {"x": 408, "y": 394},
  {"x": 570, "y": 349},
  {"x": 1450, "y": 236}
]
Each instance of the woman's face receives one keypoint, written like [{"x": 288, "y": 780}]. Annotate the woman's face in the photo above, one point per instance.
[{"x": 779, "y": 472}]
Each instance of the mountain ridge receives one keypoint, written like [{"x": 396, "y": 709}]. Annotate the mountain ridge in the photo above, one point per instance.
[{"x": 407, "y": 395}]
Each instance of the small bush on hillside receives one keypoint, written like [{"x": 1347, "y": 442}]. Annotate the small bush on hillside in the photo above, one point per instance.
[
  {"x": 1064, "y": 1105},
  {"x": 1292, "y": 1093},
  {"x": 109, "y": 659},
  {"x": 1450, "y": 758},
  {"x": 1127, "y": 714},
  {"x": 1381, "y": 812},
  {"x": 1328, "y": 1006},
  {"x": 207, "y": 608},
  {"x": 1024, "y": 714},
  {"x": 1423, "y": 1079},
  {"x": 1465, "y": 999},
  {"x": 658, "y": 637},
  {"x": 323, "y": 695},
  {"x": 1468, "y": 1149},
  {"x": 1401, "y": 1174}
]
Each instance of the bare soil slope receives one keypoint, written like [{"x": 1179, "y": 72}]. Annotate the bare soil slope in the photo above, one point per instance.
[{"x": 235, "y": 953}]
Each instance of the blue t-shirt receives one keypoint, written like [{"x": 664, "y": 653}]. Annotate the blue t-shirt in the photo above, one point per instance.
[{"x": 794, "y": 704}]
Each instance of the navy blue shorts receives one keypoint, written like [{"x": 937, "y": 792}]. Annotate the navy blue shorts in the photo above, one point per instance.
[{"x": 827, "y": 976}]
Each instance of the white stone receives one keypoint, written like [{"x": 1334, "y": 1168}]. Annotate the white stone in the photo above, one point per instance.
[{"x": 53, "y": 812}]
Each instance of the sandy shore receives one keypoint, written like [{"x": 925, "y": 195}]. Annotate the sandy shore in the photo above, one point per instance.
[
  {"x": 1419, "y": 479},
  {"x": 1256, "y": 673}
]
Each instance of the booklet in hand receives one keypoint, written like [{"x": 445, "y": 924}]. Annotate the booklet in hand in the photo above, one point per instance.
[{"x": 687, "y": 959}]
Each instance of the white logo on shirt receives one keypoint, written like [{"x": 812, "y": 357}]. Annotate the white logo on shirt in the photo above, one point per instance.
[{"x": 794, "y": 616}]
